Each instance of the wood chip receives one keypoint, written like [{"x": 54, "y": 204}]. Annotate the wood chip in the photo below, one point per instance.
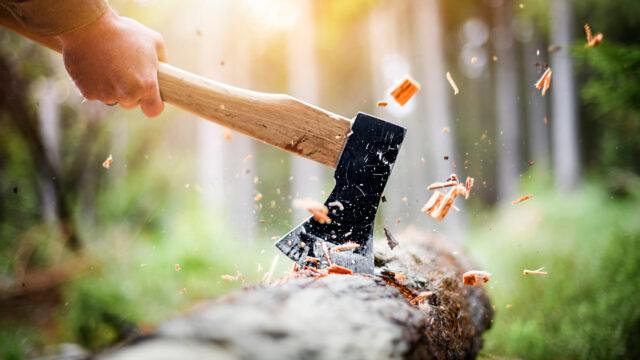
[
  {"x": 405, "y": 90},
  {"x": 382, "y": 103},
  {"x": 476, "y": 277},
  {"x": 348, "y": 246},
  {"x": 421, "y": 297},
  {"x": 521, "y": 199},
  {"x": 107, "y": 163},
  {"x": 445, "y": 130},
  {"x": 440, "y": 185},
  {"x": 400, "y": 277},
  {"x": 247, "y": 158},
  {"x": 544, "y": 83},
  {"x": 317, "y": 209},
  {"x": 391, "y": 240},
  {"x": 538, "y": 272},
  {"x": 592, "y": 41},
  {"x": 233, "y": 278},
  {"x": 453, "y": 84},
  {"x": 178, "y": 267},
  {"x": 337, "y": 269},
  {"x": 258, "y": 197}
]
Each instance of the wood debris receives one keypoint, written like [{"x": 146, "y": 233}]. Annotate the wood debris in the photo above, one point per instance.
[
  {"x": 313, "y": 260},
  {"x": 592, "y": 41},
  {"x": 317, "y": 209},
  {"x": 348, "y": 246},
  {"x": 233, "y": 278},
  {"x": 107, "y": 163},
  {"x": 445, "y": 130},
  {"x": 476, "y": 277},
  {"x": 382, "y": 103},
  {"x": 391, "y": 240},
  {"x": 247, "y": 158},
  {"x": 420, "y": 298},
  {"x": 538, "y": 272},
  {"x": 440, "y": 185},
  {"x": 521, "y": 199},
  {"x": 439, "y": 204},
  {"x": 544, "y": 83},
  {"x": 453, "y": 84},
  {"x": 178, "y": 267},
  {"x": 337, "y": 269},
  {"x": 400, "y": 277},
  {"x": 531, "y": 162},
  {"x": 404, "y": 91},
  {"x": 258, "y": 197}
]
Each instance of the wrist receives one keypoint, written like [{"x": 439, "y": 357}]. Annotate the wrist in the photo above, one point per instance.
[{"x": 103, "y": 24}]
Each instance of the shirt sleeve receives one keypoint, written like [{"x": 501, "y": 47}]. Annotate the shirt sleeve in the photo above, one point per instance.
[{"x": 54, "y": 17}]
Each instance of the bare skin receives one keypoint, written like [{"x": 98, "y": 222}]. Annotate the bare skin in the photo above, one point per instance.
[{"x": 115, "y": 60}]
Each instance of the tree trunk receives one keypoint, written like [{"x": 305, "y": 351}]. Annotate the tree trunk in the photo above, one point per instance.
[
  {"x": 566, "y": 159},
  {"x": 435, "y": 111},
  {"x": 536, "y": 105},
  {"x": 337, "y": 316},
  {"x": 309, "y": 177},
  {"x": 507, "y": 112}
]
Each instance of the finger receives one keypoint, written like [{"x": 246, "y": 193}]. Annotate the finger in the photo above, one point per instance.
[
  {"x": 129, "y": 105},
  {"x": 151, "y": 104}
]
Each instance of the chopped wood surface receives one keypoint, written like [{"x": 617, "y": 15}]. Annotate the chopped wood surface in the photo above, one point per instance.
[{"x": 303, "y": 316}]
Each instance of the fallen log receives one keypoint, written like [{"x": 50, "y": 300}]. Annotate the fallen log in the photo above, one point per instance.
[{"x": 415, "y": 307}]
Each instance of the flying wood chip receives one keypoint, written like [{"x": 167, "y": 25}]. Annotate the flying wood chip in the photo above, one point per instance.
[
  {"x": 438, "y": 205},
  {"x": 544, "y": 83},
  {"x": 592, "y": 41},
  {"x": 382, "y": 104},
  {"x": 391, "y": 240},
  {"x": 317, "y": 209},
  {"x": 107, "y": 163},
  {"x": 453, "y": 84},
  {"x": 405, "y": 90},
  {"x": 521, "y": 199},
  {"x": 476, "y": 277},
  {"x": 538, "y": 272}
]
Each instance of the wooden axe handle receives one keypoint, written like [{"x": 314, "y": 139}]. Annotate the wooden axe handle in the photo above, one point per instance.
[{"x": 279, "y": 120}]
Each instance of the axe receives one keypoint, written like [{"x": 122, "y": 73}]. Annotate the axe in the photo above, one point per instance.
[{"x": 363, "y": 152}]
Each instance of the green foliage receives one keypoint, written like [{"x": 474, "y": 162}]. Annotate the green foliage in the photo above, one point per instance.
[
  {"x": 17, "y": 343},
  {"x": 588, "y": 306},
  {"x": 612, "y": 93}
]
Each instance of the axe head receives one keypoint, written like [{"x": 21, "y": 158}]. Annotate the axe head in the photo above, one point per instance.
[{"x": 361, "y": 175}]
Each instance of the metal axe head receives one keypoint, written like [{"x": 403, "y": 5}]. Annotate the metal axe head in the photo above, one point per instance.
[{"x": 361, "y": 175}]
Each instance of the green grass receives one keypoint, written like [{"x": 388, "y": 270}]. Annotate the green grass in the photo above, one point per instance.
[{"x": 588, "y": 306}]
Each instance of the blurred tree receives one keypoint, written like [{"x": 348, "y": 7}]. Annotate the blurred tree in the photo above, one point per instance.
[
  {"x": 564, "y": 115},
  {"x": 303, "y": 83},
  {"x": 508, "y": 137},
  {"x": 18, "y": 110}
]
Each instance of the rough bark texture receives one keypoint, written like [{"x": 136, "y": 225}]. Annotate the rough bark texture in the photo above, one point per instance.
[{"x": 337, "y": 316}]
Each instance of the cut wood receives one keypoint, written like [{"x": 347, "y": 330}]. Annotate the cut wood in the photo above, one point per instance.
[{"x": 337, "y": 316}]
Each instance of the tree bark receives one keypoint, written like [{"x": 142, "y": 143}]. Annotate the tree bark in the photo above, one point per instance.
[{"x": 303, "y": 316}]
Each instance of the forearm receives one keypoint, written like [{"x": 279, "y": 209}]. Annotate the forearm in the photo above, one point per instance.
[
  {"x": 44, "y": 18},
  {"x": 9, "y": 22}
]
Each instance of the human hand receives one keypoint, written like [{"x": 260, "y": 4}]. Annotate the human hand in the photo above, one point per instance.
[{"x": 115, "y": 60}]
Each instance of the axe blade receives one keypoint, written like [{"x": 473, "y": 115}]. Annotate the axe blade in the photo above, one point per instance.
[{"x": 361, "y": 175}]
